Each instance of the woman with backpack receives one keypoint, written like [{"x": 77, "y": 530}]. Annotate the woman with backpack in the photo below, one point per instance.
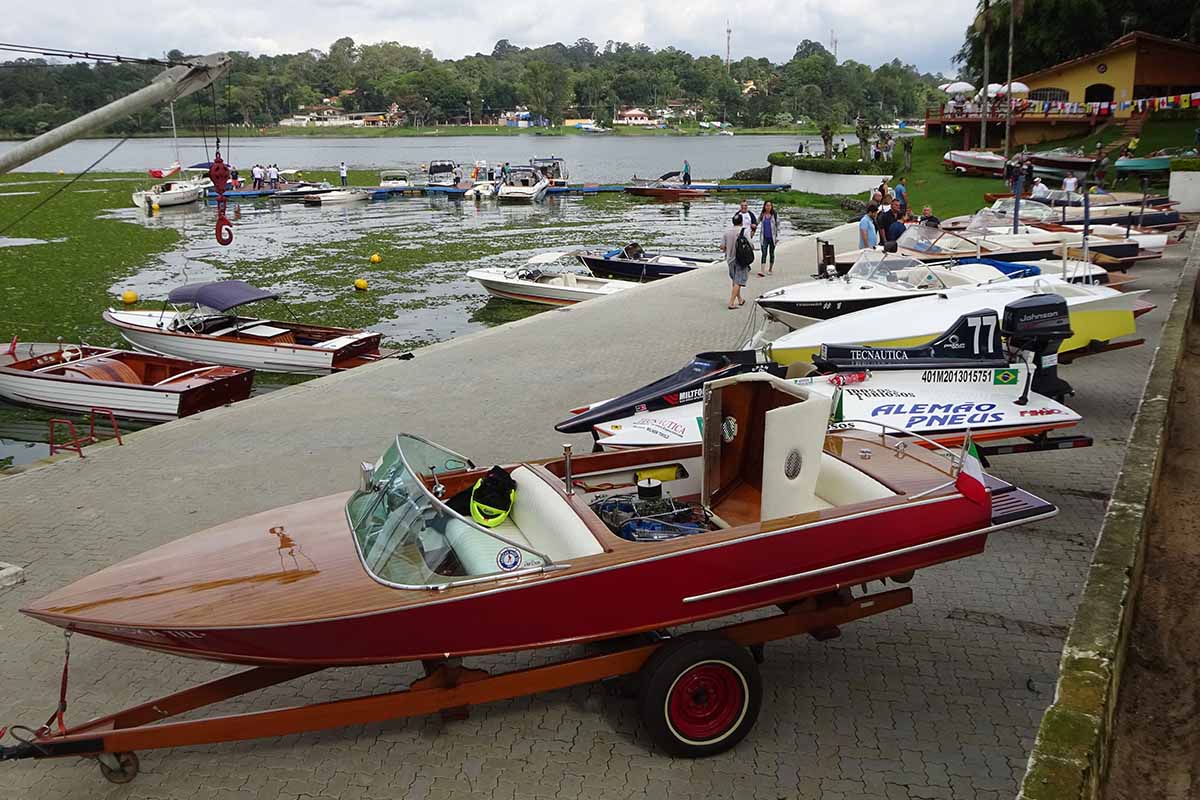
[
  {"x": 739, "y": 255},
  {"x": 768, "y": 229}
]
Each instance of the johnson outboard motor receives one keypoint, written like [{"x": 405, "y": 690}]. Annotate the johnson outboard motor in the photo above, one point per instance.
[{"x": 1039, "y": 324}]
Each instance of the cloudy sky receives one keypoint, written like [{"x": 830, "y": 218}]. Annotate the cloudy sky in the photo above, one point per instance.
[{"x": 453, "y": 28}]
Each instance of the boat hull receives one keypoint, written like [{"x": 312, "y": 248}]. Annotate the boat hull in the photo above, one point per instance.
[
  {"x": 267, "y": 357},
  {"x": 639, "y": 269},
  {"x": 553, "y": 608}
]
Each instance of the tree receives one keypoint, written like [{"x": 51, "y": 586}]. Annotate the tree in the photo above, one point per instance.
[{"x": 829, "y": 119}]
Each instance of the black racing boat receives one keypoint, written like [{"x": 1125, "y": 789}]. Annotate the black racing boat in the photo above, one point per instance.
[{"x": 633, "y": 263}]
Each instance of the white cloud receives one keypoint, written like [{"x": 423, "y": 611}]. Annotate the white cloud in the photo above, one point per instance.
[{"x": 868, "y": 31}]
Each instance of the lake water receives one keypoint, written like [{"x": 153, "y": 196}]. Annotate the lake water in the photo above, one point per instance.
[
  {"x": 419, "y": 293},
  {"x": 598, "y": 159}
]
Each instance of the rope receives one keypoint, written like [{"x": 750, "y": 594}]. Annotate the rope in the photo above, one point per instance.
[
  {"x": 55, "y": 52},
  {"x": 62, "y": 188}
]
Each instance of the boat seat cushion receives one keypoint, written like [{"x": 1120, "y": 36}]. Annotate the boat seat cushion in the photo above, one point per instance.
[
  {"x": 793, "y": 442},
  {"x": 480, "y": 555},
  {"x": 842, "y": 484},
  {"x": 568, "y": 279},
  {"x": 547, "y": 520}
]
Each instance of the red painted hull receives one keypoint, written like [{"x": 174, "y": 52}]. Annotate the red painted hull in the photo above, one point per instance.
[{"x": 547, "y": 610}]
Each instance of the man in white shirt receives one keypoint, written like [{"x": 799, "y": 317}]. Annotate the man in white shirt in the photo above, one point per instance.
[
  {"x": 1040, "y": 190},
  {"x": 342, "y": 172},
  {"x": 1070, "y": 183}
]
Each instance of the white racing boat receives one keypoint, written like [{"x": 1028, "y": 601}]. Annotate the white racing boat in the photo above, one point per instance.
[
  {"x": 878, "y": 278},
  {"x": 963, "y": 380},
  {"x": 200, "y": 327},
  {"x": 531, "y": 284},
  {"x": 1100, "y": 317},
  {"x": 523, "y": 185}
]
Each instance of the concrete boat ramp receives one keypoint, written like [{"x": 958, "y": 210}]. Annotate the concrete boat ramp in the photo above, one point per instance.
[{"x": 939, "y": 699}]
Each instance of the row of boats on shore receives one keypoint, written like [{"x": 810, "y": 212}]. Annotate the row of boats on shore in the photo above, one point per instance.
[{"x": 793, "y": 474}]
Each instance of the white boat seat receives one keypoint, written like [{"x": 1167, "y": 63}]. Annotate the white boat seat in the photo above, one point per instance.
[
  {"x": 547, "y": 520},
  {"x": 840, "y": 484},
  {"x": 793, "y": 442},
  {"x": 568, "y": 279},
  {"x": 480, "y": 554}
]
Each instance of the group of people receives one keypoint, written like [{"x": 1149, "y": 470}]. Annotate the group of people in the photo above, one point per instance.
[
  {"x": 737, "y": 242},
  {"x": 265, "y": 177},
  {"x": 888, "y": 215}
]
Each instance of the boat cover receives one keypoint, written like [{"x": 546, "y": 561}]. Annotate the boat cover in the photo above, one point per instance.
[{"x": 221, "y": 295}]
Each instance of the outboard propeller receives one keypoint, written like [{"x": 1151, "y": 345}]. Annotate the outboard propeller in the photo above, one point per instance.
[{"x": 1039, "y": 324}]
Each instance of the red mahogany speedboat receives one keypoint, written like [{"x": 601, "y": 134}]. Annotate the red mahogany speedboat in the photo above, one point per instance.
[{"x": 769, "y": 510}]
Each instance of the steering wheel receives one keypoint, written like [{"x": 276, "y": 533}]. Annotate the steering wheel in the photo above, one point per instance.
[{"x": 71, "y": 353}]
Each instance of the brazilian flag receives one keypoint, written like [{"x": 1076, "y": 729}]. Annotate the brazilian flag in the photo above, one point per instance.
[{"x": 1004, "y": 377}]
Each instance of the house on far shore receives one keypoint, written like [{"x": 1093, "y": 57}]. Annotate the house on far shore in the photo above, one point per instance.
[{"x": 634, "y": 116}]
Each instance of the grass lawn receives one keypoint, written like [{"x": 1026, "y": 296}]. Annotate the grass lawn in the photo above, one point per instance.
[
  {"x": 1161, "y": 133},
  {"x": 948, "y": 194}
]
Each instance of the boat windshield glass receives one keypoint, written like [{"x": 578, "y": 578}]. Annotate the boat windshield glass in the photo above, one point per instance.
[
  {"x": 1030, "y": 209},
  {"x": 895, "y": 271},
  {"x": 409, "y": 538},
  {"x": 987, "y": 219}
]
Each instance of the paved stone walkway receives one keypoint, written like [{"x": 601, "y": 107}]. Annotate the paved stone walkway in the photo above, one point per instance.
[{"x": 940, "y": 699}]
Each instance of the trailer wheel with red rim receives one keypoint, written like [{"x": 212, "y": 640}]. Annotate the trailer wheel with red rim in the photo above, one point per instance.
[{"x": 700, "y": 695}]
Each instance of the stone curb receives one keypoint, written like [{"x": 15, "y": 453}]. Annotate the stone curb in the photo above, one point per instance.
[{"x": 1070, "y": 755}]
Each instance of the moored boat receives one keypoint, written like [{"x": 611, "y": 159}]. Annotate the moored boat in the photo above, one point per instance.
[
  {"x": 170, "y": 193},
  {"x": 335, "y": 197},
  {"x": 554, "y": 168},
  {"x": 200, "y": 326},
  {"x": 973, "y": 162},
  {"x": 523, "y": 184},
  {"x": 531, "y": 284},
  {"x": 131, "y": 385},
  {"x": 394, "y": 179},
  {"x": 632, "y": 262},
  {"x": 1063, "y": 159}
]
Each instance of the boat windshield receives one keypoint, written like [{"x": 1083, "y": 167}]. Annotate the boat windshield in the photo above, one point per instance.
[
  {"x": 895, "y": 271},
  {"x": 985, "y": 220},
  {"x": 409, "y": 538},
  {"x": 1030, "y": 209}
]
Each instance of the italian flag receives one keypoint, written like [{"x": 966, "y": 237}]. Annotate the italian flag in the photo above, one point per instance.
[{"x": 970, "y": 475}]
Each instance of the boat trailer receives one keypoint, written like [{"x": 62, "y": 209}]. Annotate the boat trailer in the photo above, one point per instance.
[{"x": 699, "y": 693}]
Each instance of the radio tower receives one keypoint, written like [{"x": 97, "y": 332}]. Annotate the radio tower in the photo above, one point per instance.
[
  {"x": 728, "y": 36},
  {"x": 833, "y": 43}
]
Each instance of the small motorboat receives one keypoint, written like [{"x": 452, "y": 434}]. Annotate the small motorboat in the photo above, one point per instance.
[
  {"x": 441, "y": 174},
  {"x": 554, "y": 168},
  {"x": 533, "y": 284},
  {"x": 1033, "y": 212},
  {"x": 485, "y": 182},
  {"x": 394, "y": 179},
  {"x": 634, "y": 263},
  {"x": 878, "y": 278},
  {"x": 1144, "y": 164},
  {"x": 132, "y": 385},
  {"x": 1100, "y": 317},
  {"x": 1061, "y": 158},
  {"x": 200, "y": 327},
  {"x": 963, "y": 379},
  {"x": 301, "y": 190},
  {"x": 667, "y": 192},
  {"x": 523, "y": 185},
  {"x": 171, "y": 193},
  {"x": 336, "y": 197},
  {"x": 772, "y": 509},
  {"x": 974, "y": 162},
  {"x": 928, "y": 243}
]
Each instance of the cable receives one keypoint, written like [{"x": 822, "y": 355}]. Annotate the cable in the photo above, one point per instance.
[
  {"x": 56, "y": 192},
  {"x": 55, "y": 52}
]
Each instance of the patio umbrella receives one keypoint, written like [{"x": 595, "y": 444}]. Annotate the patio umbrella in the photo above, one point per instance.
[
  {"x": 993, "y": 90},
  {"x": 958, "y": 87},
  {"x": 1017, "y": 88},
  {"x": 942, "y": 87}
]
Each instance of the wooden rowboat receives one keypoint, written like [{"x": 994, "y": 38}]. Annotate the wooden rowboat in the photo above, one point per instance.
[{"x": 132, "y": 385}]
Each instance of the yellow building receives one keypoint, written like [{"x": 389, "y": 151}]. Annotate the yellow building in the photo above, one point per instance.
[{"x": 1138, "y": 65}]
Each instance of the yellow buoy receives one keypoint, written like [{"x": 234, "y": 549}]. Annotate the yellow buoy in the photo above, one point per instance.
[
  {"x": 129, "y": 297},
  {"x": 154, "y": 208},
  {"x": 361, "y": 284},
  {"x": 60, "y": 172},
  {"x": 376, "y": 258}
]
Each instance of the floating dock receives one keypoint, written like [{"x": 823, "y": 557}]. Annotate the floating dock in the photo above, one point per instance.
[{"x": 383, "y": 192}]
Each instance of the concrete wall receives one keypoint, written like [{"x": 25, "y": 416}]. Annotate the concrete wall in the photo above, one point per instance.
[
  {"x": 1070, "y": 755},
  {"x": 1185, "y": 190},
  {"x": 803, "y": 180}
]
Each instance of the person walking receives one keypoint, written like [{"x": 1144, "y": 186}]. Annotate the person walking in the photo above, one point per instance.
[
  {"x": 902, "y": 194},
  {"x": 687, "y": 173},
  {"x": 735, "y": 243},
  {"x": 1070, "y": 183},
  {"x": 768, "y": 227},
  {"x": 868, "y": 236},
  {"x": 504, "y": 173},
  {"x": 342, "y": 172},
  {"x": 749, "y": 221}
]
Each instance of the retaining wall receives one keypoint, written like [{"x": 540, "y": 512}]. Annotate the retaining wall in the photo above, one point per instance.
[{"x": 1070, "y": 755}]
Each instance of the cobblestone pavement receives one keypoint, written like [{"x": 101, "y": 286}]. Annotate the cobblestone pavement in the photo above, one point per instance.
[{"x": 936, "y": 700}]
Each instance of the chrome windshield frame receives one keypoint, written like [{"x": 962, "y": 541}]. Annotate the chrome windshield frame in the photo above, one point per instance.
[{"x": 546, "y": 565}]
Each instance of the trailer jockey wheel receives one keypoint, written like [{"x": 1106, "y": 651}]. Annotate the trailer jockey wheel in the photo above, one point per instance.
[
  {"x": 700, "y": 695},
  {"x": 118, "y": 767}
]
